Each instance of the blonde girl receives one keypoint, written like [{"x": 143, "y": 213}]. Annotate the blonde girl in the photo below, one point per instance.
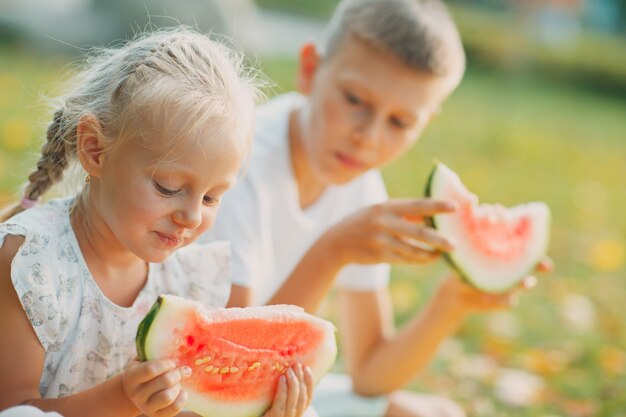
[{"x": 160, "y": 126}]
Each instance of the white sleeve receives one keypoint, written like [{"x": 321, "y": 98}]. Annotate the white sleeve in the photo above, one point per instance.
[
  {"x": 370, "y": 190},
  {"x": 240, "y": 221}
]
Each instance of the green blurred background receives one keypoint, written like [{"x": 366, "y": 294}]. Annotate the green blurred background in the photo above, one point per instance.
[{"x": 540, "y": 115}]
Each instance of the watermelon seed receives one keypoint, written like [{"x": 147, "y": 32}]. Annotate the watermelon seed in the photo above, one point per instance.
[
  {"x": 208, "y": 368},
  {"x": 215, "y": 370},
  {"x": 201, "y": 361},
  {"x": 255, "y": 365},
  {"x": 234, "y": 370},
  {"x": 224, "y": 370}
]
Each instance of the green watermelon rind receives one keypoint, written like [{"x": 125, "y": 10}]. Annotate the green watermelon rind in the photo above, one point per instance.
[
  {"x": 144, "y": 328},
  {"x": 430, "y": 221},
  {"x": 464, "y": 275}
]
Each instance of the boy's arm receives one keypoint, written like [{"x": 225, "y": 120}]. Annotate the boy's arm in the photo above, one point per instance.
[
  {"x": 312, "y": 278},
  {"x": 381, "y": 361}
]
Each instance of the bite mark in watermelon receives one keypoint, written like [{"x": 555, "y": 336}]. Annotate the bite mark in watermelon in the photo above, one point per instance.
[
  {"x": 236, "y": 354},
  {"x": 495, "y": 247}
]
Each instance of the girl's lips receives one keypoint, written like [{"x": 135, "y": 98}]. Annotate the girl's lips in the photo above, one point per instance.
[
  {"x": 171, "y": 241},
  {"x": 348, "y": 161}
]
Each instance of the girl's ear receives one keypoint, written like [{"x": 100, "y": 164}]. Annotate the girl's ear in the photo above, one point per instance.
[
  {"x": 90, "y": 144},
  {"x": 308, "y": 61}
]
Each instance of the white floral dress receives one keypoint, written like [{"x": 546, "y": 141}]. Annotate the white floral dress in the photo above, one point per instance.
[{"x": 86, "y": 337}]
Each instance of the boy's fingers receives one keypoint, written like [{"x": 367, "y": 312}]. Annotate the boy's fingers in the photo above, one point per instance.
[
  {"x": 424, "y": 237},
  {"x": 546, "y": 265},
  {"x": 419, "y": 208}
]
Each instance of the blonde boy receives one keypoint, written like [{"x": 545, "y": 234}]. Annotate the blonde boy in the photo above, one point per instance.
[{"x": 312, "y": 210}]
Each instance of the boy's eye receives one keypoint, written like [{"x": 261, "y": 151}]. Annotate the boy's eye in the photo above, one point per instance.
[
  {"x": 352, "y": 99},
  {"x": 398, "y": 123},
  {"x": 163, "y": 190}
]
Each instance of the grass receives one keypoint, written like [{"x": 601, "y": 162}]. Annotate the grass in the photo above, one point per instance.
[{"x": 513, "y": 138}]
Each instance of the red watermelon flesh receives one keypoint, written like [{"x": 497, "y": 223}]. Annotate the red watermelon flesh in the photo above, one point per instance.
[
  {"x": 236, "y": 354},
  {"x": 495, "y": 246}
]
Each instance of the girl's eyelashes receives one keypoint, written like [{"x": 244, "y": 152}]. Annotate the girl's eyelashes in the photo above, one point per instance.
[
  {"x": 207, "y": 199},
  {"x": 165, "y": 191},
  {"x": 210, "y": 201}
]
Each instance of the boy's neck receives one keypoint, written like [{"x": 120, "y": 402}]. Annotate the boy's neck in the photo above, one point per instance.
[{"x": 309, "y": 185}]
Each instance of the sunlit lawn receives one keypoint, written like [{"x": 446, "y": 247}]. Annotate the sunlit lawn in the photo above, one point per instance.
[{"x": 513, "y": 139}]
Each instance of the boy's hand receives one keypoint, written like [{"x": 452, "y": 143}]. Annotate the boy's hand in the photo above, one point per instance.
[
  {"x": 154, "y": 386},
  {"x": 294, "y": 393},
  {"x": 461, "y": 298},
  {"x": 393, "y": 232}
]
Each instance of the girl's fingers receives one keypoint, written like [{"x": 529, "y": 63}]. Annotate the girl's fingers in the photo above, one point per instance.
[
  {"x": 175, "y": 407},
  {"x": 142, "y": 372},
  {"x": 279, "y": 405},
  {"x": 293, "y": 392},
  {"x": 309, "y": 382},
  {"x": 303, "y": 399},
  {"x": 163, "y": 382},
  {"x": 163, "y": 399}
]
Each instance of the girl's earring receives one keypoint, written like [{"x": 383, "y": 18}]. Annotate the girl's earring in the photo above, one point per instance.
[{"x": 88, "y": 179}]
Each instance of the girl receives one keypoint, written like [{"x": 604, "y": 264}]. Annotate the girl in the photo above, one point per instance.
[{"x": 160, "y": 126}]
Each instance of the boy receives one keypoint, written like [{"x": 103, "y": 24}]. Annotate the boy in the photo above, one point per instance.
[{"x": 312, "y": 209}]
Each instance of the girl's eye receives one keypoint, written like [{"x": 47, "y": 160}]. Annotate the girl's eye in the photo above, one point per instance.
[
  {"x": 210, "y": 201},
  {"x": 163, "y": 190}
]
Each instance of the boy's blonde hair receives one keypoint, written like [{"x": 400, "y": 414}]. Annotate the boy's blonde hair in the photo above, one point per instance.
[
  {"x": 169, "y": 71},
  {"x": 421, "y": 33}
]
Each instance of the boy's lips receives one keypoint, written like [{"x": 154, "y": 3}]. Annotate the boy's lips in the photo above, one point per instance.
[
  {"x": 349, "y": 162},
  {"x": 171, "y": 241}
]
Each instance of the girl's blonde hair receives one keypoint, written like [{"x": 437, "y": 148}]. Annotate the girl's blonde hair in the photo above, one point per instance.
[{"x": 174, "y": 70}]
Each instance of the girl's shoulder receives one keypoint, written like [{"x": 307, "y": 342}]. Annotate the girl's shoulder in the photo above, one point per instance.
[{"x": 43, "y": 262}]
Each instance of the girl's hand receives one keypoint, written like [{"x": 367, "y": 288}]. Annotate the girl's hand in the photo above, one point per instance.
[
  {"x": 462, "y": 298},
  {"x": 154, "y": 386},
  {"x": 393, "y": 232},
  {"x": 294, "y": 393}
]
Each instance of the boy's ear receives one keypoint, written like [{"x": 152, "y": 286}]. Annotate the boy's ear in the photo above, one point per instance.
[
  {"x": 308, "y": 61},
  {"x": 90, "y": 144}
]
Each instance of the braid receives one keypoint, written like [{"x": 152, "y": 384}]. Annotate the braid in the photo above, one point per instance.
[{"x": 52, "y": 162}]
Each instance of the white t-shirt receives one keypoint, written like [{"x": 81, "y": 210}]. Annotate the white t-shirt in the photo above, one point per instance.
[
  {"x": 262, "y": 218},
  {"x": 87, "y": 338}
]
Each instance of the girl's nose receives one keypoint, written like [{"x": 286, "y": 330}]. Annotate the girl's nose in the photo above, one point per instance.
[{"x": 189, "y": 215}]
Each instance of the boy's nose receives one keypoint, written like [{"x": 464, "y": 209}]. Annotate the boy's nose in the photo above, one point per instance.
[{"x": 369, "y": 132}]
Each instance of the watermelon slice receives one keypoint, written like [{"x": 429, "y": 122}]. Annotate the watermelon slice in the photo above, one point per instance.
[
  {"x": 495, "y": 247},
  {"x": 236, "y": 354}
]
